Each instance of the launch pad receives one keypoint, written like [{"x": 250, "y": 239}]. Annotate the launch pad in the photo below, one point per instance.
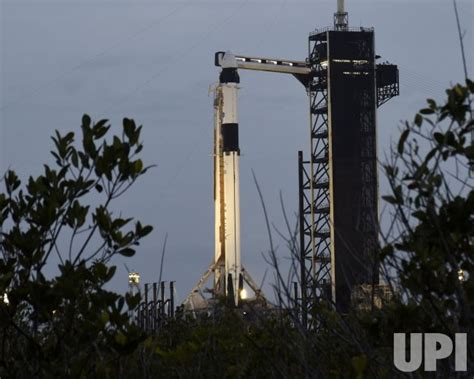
[
  {"x": 229, "y": 274},
  {"x": 338, "y": 184}
]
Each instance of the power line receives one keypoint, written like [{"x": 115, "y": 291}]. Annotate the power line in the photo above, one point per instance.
[
  {"x": 420, "y": 82},
  {"x": 179, "y": 56},
  {"x": 104, "y": 52},
  {"x": 270, "y": 24},
  {"x": 184, "y": 53}
]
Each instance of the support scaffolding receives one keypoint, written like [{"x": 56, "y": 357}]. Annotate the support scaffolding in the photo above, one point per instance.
[
  {"x": 338, "y": 183},
  {"x": 157, "y": 309}
]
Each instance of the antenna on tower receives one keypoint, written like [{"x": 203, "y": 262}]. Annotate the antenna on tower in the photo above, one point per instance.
[{"x": 341, "y": 18}]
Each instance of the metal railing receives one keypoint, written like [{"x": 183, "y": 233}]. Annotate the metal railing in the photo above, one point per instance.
[{"x": 348, "y": 29}]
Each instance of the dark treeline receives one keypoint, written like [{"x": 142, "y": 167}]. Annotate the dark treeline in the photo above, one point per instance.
[{"x": 69, "y": 325}]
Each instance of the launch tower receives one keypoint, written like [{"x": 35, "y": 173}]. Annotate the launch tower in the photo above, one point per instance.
[{"x": 338, "y": 184}]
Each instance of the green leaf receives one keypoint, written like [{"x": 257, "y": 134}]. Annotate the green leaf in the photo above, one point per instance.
[
  {"x": 390, "y": 199},
  {"x": 132, "y": 300},
  {"x": 138, "y": 166},
  {"x": 146, "y": 230},
  {"x": 386, "y": 251},
  {"x": 100, "y": 269},
  {"x": 129, "y": 127},
  {"x": 401, "y": 142},
  {"x": 439, "y": 137},
  {"x": 120, "y": 338},
  {"x": 121, "y": 303},
  {"x": 359, "y": 363},
  {"x": 418, "y": 119},
  {"x": 100, "y": 129},
  {"x": 420, "y": 215},
  {"x": 127, "y": 252},
  {"x": 11, "y": 181},
  {"x": 104, "y": 317},
  {"x": 459, "y": 90},
  {"x": 430, "y": 155},
  {"x": 74, "y": 158},
  {"x": 86, "y": 121},
  {"x": 432, "y": 103},
  {"x": 88, "y": 144},
  {"x": 110, "y": 273},
  {"x": 426, "y": 111},
  {"x": 469, "y": 152}
]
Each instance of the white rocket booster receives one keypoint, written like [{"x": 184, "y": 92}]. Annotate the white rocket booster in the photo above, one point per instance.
[
  {"x": 229, "y": 274},
  {"x": 226, "y": 183}
]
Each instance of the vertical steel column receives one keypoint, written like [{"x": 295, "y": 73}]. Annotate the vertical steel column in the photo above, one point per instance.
[
  {"x": 171, "y": 303},
  {"x": 295, "y": 297},
  {"x": 154, "y": 318},
  {"x": 314, "y": 183},
  {"x": 303, "y": 253},
  {"x": 320, "y": 171},
  {"x": 145, "y": 311},
  {"x": 162, "y": 307}
]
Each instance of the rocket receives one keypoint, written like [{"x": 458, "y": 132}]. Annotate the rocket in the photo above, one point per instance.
[
  {"x": 228, "y": 270},
  {"x": 229, "y": 273}
]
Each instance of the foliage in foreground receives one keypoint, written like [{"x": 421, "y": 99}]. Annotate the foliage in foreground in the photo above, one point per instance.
[
  {"x": 70, "y": 325},
  {"x": 430, "y": 245},
  {"x": 427, "y": 259}
]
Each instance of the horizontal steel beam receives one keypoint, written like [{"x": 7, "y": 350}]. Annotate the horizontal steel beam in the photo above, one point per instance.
[{"x": 283, "y": 66}]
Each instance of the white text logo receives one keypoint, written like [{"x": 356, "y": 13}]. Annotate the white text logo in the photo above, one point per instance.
[{"x": 437, "y": 346}]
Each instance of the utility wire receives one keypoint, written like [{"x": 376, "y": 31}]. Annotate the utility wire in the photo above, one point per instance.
[
  {"x": 420, "y": 82},
  {"x": 184, "y": 53},
  {"x": 104, "y": 52},
  {"x": 179, "y": 56},
  {"x": 419, "y": 87},
  {"x": 421, "y": 77},
  {"x": 271, "y": 24}
]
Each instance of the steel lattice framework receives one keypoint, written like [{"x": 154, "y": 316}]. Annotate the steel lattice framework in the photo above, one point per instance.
[
  {"x": 367, "y": 86},
  {"x": 338, "y": 215},
  {"x": 314, "y": 191}
]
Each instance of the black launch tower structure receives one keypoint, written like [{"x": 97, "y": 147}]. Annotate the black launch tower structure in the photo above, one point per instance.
[{"x": 338, "y": 186}]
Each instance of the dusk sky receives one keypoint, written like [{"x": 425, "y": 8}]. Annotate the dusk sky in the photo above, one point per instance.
[{"x": 154, "y": 61}]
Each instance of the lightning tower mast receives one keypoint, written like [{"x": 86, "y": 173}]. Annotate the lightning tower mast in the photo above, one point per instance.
[{"x": 341, "y": 18}]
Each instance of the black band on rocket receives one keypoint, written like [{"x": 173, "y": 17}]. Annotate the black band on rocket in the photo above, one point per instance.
[
  {"x": 230, "y": 136},
  {"x": 229, "y": 75}
]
